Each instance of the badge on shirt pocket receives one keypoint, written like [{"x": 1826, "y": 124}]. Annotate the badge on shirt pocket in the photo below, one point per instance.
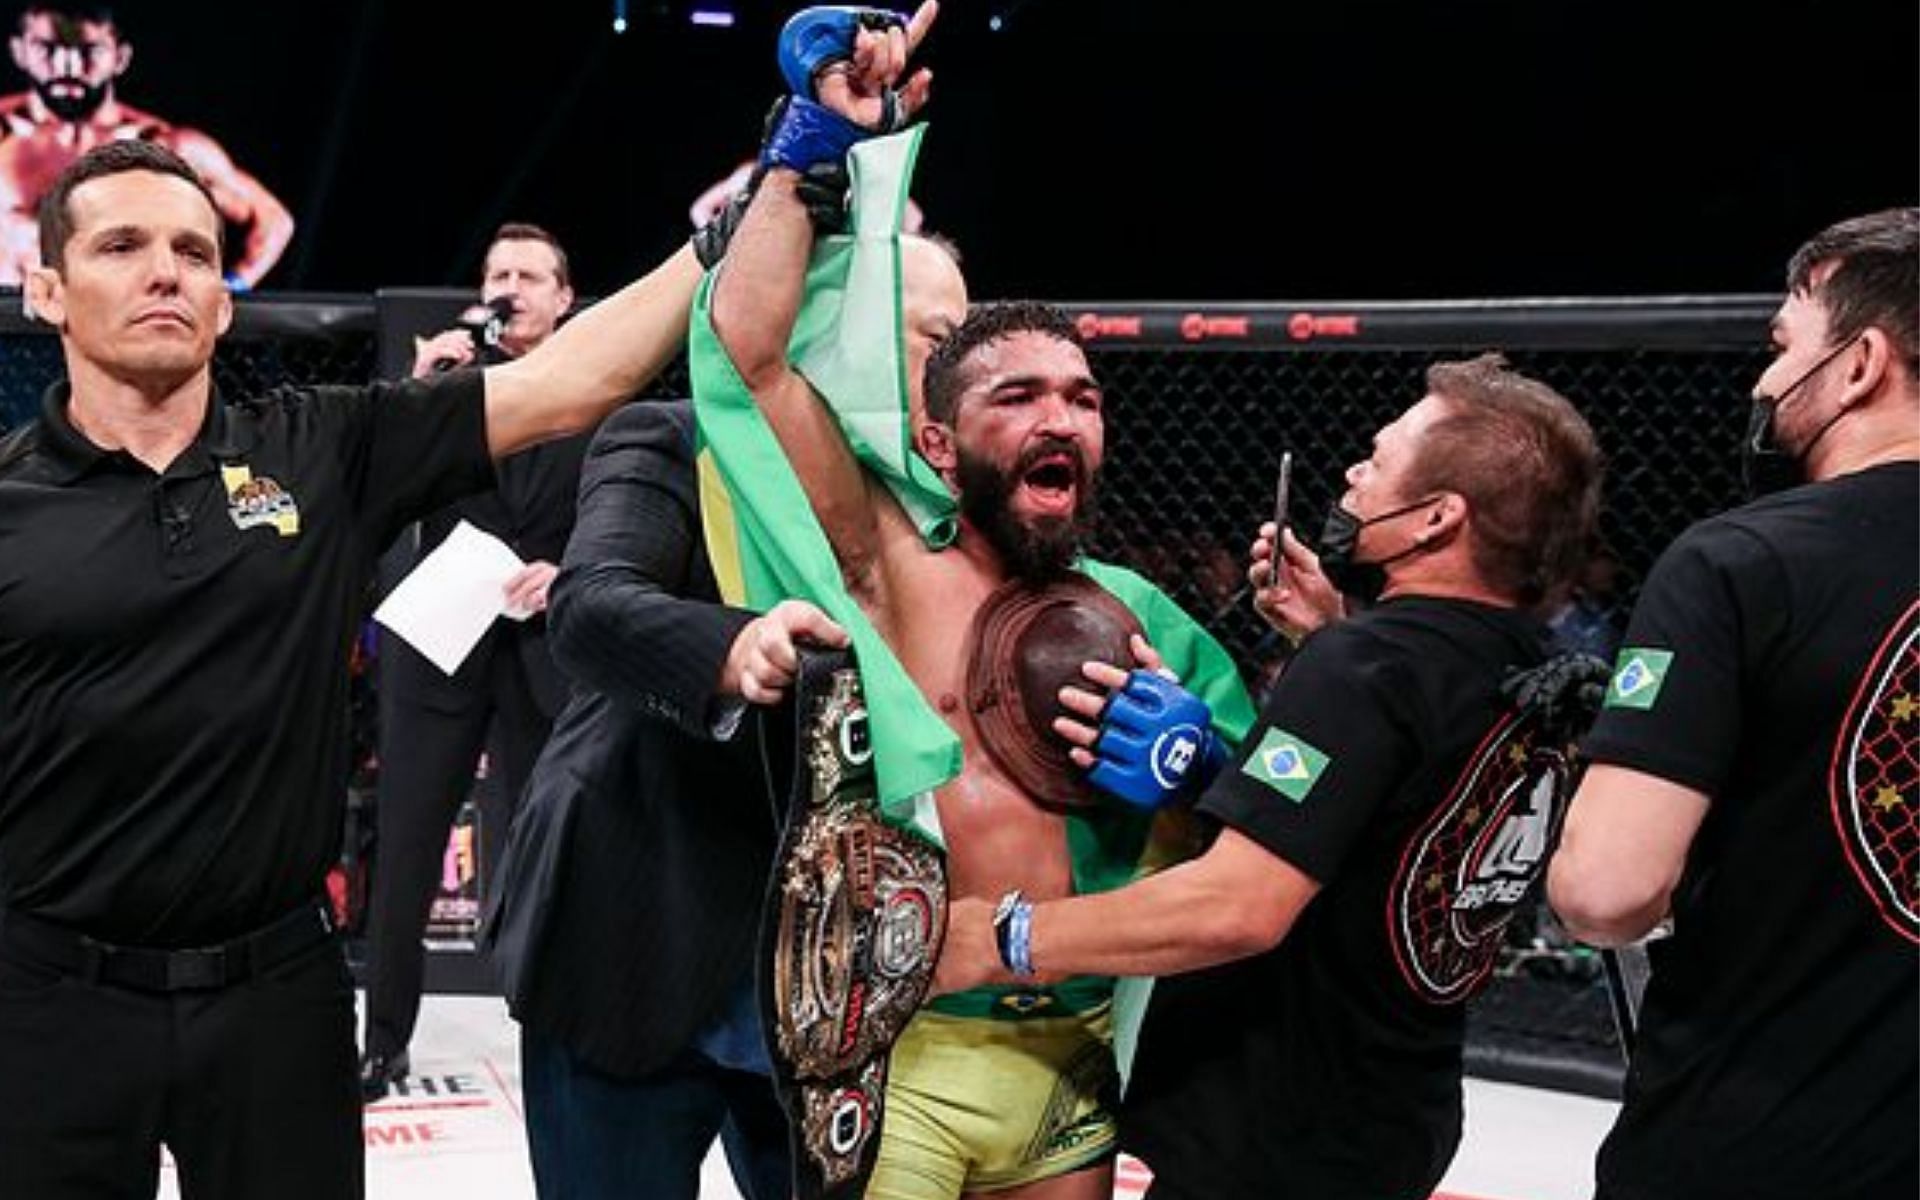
[{"x": 260, "y": 501}]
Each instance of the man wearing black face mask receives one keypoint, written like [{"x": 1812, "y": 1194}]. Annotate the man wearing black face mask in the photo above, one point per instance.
[
  {"x": 1765, "y": 467},
  {"x": 1756, "y": 773},
  {"x": 1312, "y": 585},
  {"x": 1386, "y": 816}
]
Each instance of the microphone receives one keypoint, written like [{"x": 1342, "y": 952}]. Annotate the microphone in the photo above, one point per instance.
[{"x": 485, "y": 324}]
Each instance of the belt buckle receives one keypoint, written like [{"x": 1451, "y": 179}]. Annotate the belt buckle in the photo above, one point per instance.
[{"x": 203, "y": 968}]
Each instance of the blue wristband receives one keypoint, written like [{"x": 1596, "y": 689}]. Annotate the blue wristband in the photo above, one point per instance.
[
  {"x": 806, "y": 134},
  {"x": 1013, "y": 933},
  {"x": 1020, "y": 940}
]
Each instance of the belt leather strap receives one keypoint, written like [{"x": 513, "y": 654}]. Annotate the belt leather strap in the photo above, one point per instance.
[{"x": 149, "y": 969}]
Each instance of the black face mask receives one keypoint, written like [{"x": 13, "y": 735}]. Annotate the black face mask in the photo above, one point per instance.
[
  {"x": 1764, "y": 467},
  {"x": 1338, "y": 538}
]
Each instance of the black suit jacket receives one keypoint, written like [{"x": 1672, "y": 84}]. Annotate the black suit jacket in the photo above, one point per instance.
[
  {"x": 531, "y": 509},
  {"x": 630, "y": 899}
]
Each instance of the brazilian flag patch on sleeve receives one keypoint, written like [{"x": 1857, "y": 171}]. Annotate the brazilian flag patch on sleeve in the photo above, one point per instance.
[
  {"x": 1638, "y": 675},
  {"x": 1286, "y": 763}
]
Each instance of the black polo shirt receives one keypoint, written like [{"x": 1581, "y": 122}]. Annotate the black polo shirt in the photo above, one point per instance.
[{"x": 174, "y": 648}]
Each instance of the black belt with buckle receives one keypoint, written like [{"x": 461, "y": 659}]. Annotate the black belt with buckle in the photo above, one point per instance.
[{"x": 147, "y": 969}]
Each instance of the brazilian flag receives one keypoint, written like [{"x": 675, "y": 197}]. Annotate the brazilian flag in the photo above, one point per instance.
[
  {"x": 849, "y": 343},
  {"x": 766, "y": 545}
]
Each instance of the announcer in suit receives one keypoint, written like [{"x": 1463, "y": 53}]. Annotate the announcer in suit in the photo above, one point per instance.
[
  {"x": 625, "y": 926},
  {"x": 507, "y": 692}
]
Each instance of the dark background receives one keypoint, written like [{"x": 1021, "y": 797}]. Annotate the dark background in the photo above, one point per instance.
[{"x": 1089, "y": 150}]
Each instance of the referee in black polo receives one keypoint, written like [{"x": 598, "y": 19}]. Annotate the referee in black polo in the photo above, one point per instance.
[{"x": 180, "y": 576}]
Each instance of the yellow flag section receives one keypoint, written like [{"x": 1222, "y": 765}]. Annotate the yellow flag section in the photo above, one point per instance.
[{"x": 761, "y": 533}]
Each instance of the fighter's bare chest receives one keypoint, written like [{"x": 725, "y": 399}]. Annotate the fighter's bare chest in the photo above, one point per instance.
[
  {"x": 32, "y": 158},
  {"x": 929, "y": 623}
]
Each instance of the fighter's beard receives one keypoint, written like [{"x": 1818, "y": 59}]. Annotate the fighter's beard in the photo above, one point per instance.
[
  {"x": 71, "y": 108},
  {"x": 1038, "y": 549}
]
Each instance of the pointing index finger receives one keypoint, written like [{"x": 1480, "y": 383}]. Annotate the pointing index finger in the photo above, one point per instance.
[{"x": 920, "y": 22}]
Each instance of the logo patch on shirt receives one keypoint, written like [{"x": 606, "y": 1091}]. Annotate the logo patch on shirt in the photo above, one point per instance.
[
  {"x": 1287, "y": 764},
  {"x": 1637, "y": 676},
  {"x": 1874, "y": 782},
  {"x": 261, "y": 501}
]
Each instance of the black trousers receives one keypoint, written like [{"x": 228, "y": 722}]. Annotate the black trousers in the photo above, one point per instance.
[
  {"x": 251, "y": 1086},
  {"x": 430, "y": 739}
]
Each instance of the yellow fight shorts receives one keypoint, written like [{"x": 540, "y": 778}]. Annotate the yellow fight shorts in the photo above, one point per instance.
[{"x": 1018, "y": 1089}]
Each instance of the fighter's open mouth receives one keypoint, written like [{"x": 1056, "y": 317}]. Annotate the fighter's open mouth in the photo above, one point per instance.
[
  {"x": 1052, "y": 475},
  {"x": 1051, "y": 486}
]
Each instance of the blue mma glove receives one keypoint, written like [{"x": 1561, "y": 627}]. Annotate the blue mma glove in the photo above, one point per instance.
[
  {"x": 816, "y": 38},
  {"x": 1156, "y": 744},
  {"x": 802, "y": 135}
]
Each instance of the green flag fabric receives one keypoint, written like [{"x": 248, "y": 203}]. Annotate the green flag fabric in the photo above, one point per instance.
[
  {"x": 766, "y": 543},
  {"x": 761, "y": 531}
]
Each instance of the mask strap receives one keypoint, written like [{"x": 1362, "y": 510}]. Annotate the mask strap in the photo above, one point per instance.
[
  {"x": 1403, "y": 510},
  {"x": 1774, "y": 402},
  {"x": 1413, "y": 546}
]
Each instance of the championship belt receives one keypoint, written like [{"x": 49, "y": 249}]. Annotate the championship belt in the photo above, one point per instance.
[
  {"x": 1027, "y": 643},
  {"x": 855, "y": 913}
]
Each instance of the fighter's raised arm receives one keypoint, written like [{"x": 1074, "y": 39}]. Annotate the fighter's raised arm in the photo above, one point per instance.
[
  {"x": 847, "y": 64},
  {"x": 595, "y": 362}
]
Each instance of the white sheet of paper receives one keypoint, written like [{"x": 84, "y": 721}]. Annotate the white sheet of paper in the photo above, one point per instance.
[{"x": 445, "y": 604}]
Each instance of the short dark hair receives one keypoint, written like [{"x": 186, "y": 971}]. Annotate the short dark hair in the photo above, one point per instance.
[
  {"x": 112, "y": 158},
  {"x": 1528, "y": 465},
  {"x": 522, "y": 231},
  {"x": 1876, "y": 282},
  {"x": 946, "y": 377},
  {"x": 96, "y": 14}
]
